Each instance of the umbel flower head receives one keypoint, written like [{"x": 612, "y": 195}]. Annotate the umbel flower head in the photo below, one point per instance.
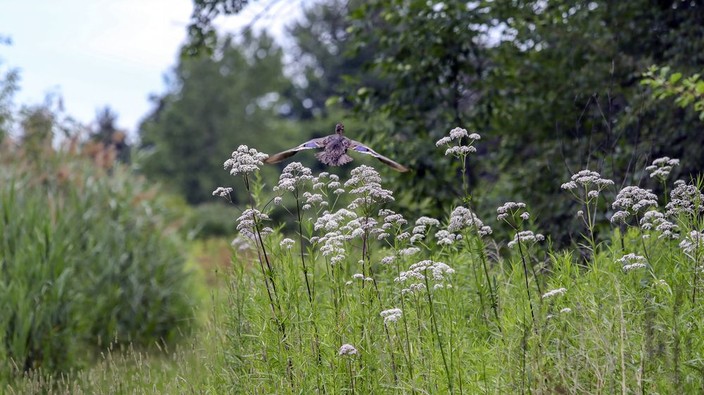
[
  {"x": 662, "y": 167},
  {"x": 366, "y": 184},
  {"x": 589, "y": 181},
  {"x": 462, "y": 218},
  {"x": 632, "y": 261},
  {"x": 244, "y": 160},
  {"x": 459, "y": 149},
  {"x": 631, "y": 200},
  {"x": 293, "y": 175},
  {"x": 685, "y": 199},
  {"x": 346, "y": 350}
]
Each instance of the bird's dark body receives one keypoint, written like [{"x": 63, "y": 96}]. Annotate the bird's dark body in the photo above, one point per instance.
[{"x": 334, "y": 150}]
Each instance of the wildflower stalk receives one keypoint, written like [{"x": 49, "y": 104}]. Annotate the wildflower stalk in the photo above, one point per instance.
[
  {"x": 261, "y": 252},
  {"x": 436, "y": 330},
  {"x": 695, "y": 270},
  {"x": 316, "y": 341},
  {"x": 525, "y": 276},
  {"x": 405, "y": 328}
]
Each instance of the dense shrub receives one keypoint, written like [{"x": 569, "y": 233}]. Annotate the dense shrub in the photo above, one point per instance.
[{"x": 87, "y": 257}]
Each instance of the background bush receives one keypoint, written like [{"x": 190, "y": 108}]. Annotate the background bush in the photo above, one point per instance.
[{"x": 87, "y": 257}]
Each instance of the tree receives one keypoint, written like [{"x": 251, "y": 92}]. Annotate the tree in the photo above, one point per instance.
[
  {"x": 553, "y": 85},
  {"x": 107, "y": 134},
  {"x": 213, "y": 104}
]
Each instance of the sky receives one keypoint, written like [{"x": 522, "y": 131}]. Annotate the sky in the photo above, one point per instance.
[{"x": 108, "y": 52}]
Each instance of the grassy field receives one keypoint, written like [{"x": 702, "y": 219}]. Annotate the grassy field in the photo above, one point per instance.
[{"x": 346, "y": 296}]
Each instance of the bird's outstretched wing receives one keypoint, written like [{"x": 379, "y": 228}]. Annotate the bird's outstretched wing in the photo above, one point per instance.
[
  {"x": 310, "y": 144},
  {"x": 359, "y": 147}
]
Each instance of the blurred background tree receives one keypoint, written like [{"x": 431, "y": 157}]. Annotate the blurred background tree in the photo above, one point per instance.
[
  {"x": 553, "y": 87},
  {"x": 213, "y": 104}
]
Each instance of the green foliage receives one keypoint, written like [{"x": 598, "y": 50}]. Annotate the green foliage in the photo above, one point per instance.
[
  {"x": 615, "y": 316},
  {"x": 206, "y": 220},
  {"x": 552, "y": 85},
  {"x": 686, "y": 91},
  {"x": 87, "y": 258},
  {"x": 214, "y": 104}
]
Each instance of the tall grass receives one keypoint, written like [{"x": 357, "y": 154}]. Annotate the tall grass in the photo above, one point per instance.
[
  {"x": 86, "y": 258},
  {"x": 360, "y": 299}
]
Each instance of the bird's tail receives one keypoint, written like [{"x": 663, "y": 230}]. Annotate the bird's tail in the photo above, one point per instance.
[{"x": 332, "y": 160}]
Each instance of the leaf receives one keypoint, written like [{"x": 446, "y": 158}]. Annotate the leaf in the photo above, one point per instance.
[
  {"x": 699, "y": 87},
  {"x": 675, "y": 77}
]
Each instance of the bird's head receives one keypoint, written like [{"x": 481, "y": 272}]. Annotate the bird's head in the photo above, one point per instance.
[{"x": 340, "y": 128}]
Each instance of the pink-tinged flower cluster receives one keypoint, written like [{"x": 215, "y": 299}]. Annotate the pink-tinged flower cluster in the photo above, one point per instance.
[
  {"x": 347, "y": 350},
  {"x": 292, "y": 177},
  {"x": 509, "y": 210},
  {"x": 463, "y": 218},
  {"x": 590, "y": 182},
  {"x": 366, "y": 184},
  {"x": 248, "y": 222},
  {"x": 685, "y": 199},
  {"x": 662, "y": 167},
  {"x": 244, "y": 160},
  {"x": 222, "y": 192},
  {"x": 631, "y": 200},
  {"x": 655, "y": 220}
]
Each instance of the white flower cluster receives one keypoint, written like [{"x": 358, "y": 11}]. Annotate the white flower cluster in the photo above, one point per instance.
[
  {"x": 391, "y": 219},
  {"x": 462, "y": 218},
  {"x": 693, "y": 244},
  {"x": 554, "y": 292},
  {"x": 293, "y": 175},
  {"x": 222, "y": 192},
  {"x": 525, "y": 237},
  {"x": 421, "y": 228},
  {"x": 287, "y": 243},
  {"x": 509, "y": 209},
  {"x": 391, "y": 315},
  {"x": 366, "y": 183},
  {"x": 333, "y": 221},
  {"x": 459, "y": 150},
  {"x": 632, "y": 261},
  {"x": 416, "y": 273},
  {"x": 409, "y": 251},
  {"x": 654, "y": 219},
  {"x": 244, "y": 160},
  {"x": 662, "y": 167},
  {"x": 446, "y": 238},
  {"x": 685, "y": 200},
  {"x": 590, "y": 181},
  {"x": 249, "y": 220},
  {"x": 311, "y": 199},
  {"x": 333, "y": 240},
  {"x": 329, "y": 181},
  {"x": 631, "y": 200},
  {"x": 347, "y": 349},
  {"x": 240, "y": 243}
]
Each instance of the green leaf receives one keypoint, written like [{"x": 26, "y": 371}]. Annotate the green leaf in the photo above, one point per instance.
[
  {"x": 675, "y": 77},
  {"x": 699, "y": 87}
]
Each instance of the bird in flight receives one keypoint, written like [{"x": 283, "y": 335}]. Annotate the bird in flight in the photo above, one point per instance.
[{"x": 334, "y": 150}]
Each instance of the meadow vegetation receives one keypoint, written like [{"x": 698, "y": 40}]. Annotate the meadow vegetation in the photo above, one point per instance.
[
  {"x": 360, "y": 299},
  {"x": 90, "y": 260}
]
